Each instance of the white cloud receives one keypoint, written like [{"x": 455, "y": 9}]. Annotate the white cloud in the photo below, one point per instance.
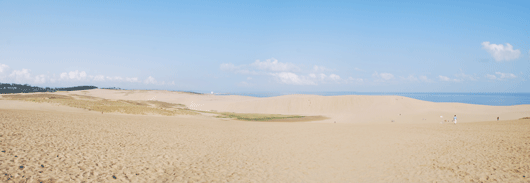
[
  {"x": 3, "y": 71},
  {"x": 150, "y": 80},
  {"x": 74, "y": 75},
  {"x": 274, "y": 66},
  {"x": 489, "y": 76},
  {"x": 292, "y": 78},
  {"x": 24, "y": 76},
  {"x": 317, "y": 68},
  {"x": 3, "y": 68},
  {"x": 357, "y": 69},
  {"x": 82, "y": 75},
  {"x": 387, "y": 76},
  {"x": 444, "y": 78},
  {"x": 466, "y": 76},
  {"x": 286, "y": 73},
  {"x": 244, "y": 84},
  {"x": 500, "y": 76},
  {"x": 246, "y": 71},
  {"x": 99, "y": 78},
  {"x": 501, "y": 52},
  {"x": 505, "y": 75},
  {"x": 236, "y": 69},
  {"x": 21, "y": 75},
  {"x": 132, "y": 80},
  {"x": 115, "y": 78},
  {"x": 411, "y": 78},
  {"x": 355, "y": 79},
  {"x": 384, "y": 76},
  {"x": 334, "y": 77},
  {"x": 425, "y": 79},
  {"x": 229, "y": 67},
  {"x": 40, "y": 79},
  {"x": 323, "y": 78}
]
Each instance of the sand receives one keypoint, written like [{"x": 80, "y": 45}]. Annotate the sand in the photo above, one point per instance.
[
  {"x": 340, "y": 109},
  {"x": 51, "y": 143}
]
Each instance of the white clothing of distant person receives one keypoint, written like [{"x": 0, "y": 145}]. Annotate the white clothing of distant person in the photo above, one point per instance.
[{"x": 454, "y": 119}]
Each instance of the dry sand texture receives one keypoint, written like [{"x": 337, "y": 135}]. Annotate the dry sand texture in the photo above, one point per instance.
[
  {"x": 47, "y": 142},
  {"x": 340, "y": 109}
]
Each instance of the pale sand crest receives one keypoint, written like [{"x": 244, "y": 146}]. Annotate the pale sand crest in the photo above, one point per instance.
[
  {"x": 340, "y": 109},
  {"x": 56, "y": 143}
]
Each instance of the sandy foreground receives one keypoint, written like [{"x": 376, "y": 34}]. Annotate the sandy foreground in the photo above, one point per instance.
[{"x": 52, "y": 143}]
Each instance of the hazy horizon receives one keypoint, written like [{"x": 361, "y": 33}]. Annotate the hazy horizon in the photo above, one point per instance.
[{"x": 272, "y": 46}]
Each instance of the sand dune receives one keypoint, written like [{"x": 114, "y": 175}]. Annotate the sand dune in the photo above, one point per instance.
[
  {"x": 341, "y": 109},
  {"x": 50, "y": 143}
]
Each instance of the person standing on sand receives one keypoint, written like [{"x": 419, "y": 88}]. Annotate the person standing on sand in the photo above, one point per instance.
[{"x": 454, "y": 119}]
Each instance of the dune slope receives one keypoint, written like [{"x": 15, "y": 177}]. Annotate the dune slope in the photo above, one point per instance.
[
  {"x": 341, "y": 109},
  {"x": 57, "y": 146}
]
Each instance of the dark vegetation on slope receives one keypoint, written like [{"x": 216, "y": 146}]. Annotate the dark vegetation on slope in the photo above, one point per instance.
[{"x": 19, "y": 88}]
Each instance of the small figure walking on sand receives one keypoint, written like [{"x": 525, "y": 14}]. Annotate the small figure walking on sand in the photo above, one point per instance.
[
  {"x": 441, "y": 118},
  {"x": 454, "y": 119},
  {"x": 497, "y": 118}
]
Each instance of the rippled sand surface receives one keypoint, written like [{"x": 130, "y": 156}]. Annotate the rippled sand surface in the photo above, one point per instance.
[{"x": 78, "y": 146}]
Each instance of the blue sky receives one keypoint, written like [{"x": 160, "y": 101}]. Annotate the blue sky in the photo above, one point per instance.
[{"x": 269, "y": 46}]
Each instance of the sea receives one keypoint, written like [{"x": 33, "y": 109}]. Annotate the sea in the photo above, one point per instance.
[{"x": 493, "y": 99}]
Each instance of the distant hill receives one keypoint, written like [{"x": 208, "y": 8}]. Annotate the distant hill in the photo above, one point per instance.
[{"x": 19, "y": 88}]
